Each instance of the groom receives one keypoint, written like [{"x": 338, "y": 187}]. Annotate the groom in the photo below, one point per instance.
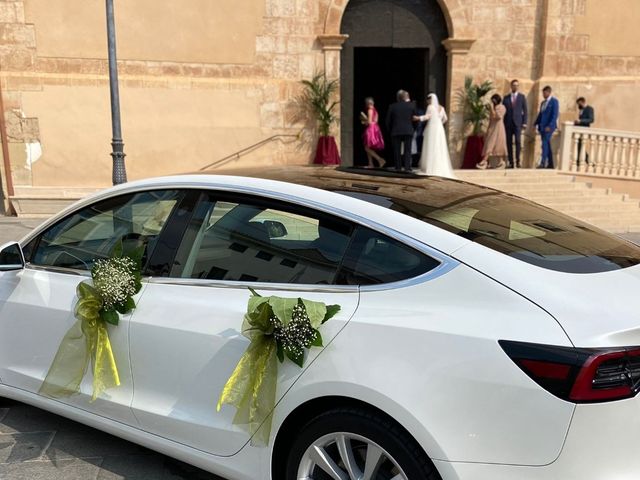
[
  {"x": 400, "y": 126},
  {"x": 547, "y": 123}
]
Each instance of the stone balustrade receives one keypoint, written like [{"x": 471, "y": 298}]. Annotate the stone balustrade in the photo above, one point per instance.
[{"x": 600, "y": 152}]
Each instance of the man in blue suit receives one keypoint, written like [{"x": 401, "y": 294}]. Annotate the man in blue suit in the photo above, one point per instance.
[{"x": 547, "y": 123}]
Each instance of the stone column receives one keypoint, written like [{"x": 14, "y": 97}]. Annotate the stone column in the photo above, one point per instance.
[
  {"x": 331, "y": 47},
  {"x": 457, "y": 49}
]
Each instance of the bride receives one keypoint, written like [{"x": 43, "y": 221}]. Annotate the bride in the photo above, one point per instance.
[{"x": 435, "y": 151}]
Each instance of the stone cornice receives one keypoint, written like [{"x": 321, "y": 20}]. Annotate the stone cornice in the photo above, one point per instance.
[
  {"x": 458, "y": 46},
  {"x": 332, "y": 42}
]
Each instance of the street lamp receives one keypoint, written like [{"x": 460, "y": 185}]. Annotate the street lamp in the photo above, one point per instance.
[{"x": 117, "y": 146}]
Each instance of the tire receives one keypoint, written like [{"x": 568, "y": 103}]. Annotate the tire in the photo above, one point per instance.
[{"x": 328, "y": 438}]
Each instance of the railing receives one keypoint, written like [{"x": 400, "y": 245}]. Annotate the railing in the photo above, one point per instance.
[
  {"x": 249, "y": 149},
  {"x": 599, "y": 152}
]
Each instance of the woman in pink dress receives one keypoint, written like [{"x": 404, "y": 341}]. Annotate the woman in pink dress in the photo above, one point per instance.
[
  {"x": 495, "y": 142},
  {"x": 372, "y": 136}
]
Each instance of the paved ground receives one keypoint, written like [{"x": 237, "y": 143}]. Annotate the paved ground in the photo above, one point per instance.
[
  {"x": 36, "y": 445},
  {"x": 12, "y": 228}
]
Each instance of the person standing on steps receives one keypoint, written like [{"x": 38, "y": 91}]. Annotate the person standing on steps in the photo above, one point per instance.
[
  {"x": 515, "y": 121},
  {"x": 547, "y": 123},
  {"x": 495, "y": 142},
  {"x": 585, "y": 119},
  {"x": 372, "y": 136},
  {"x": 434, "y": 159},
  {"x": 399, "y": 124}
]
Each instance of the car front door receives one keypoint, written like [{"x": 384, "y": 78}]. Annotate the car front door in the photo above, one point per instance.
[
  {"x": 185, "y": 335},
  {"x": 37, "y": 303}
]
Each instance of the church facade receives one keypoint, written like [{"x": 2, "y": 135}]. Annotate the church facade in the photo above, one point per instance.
[{"x": 217, "y": 81}]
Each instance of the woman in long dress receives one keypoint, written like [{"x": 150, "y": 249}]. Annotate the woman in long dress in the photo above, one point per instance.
[
  {"x": 435, "y": 158},
  {"x": 372, "y": 136},
  {"x": 495, "y": 142}
]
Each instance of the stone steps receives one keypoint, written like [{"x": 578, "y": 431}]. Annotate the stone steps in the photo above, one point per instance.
[
  {"x": 599, "y": 206},
  {"x": 41, "y": 202},
  {"x": 593, "y": 201}
]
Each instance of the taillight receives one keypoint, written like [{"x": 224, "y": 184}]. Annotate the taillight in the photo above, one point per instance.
[{"x": 579, "y": 375}]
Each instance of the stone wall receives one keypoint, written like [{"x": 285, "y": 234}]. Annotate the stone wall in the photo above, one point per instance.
[
  {"x": 201, "y": 84},
  {"x": 226, "y": 94}
]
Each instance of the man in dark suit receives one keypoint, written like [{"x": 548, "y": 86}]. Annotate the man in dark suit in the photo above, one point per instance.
[
  {"x": 586, "y": 118},
  {"x": 400, "y": 127},
  {"x": 515, "y": 120},
  {"x": 547, "y": 123}
]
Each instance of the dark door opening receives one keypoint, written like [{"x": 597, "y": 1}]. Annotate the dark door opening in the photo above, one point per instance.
[
  {"x": 391, "y": 44},
  {"x": 379, "y": 73}
]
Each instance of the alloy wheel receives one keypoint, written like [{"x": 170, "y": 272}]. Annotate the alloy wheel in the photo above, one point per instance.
[{"x": 347, "y": 456}]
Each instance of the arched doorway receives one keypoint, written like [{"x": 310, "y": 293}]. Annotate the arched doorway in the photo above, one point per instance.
[{"x": 392, "y": 45}]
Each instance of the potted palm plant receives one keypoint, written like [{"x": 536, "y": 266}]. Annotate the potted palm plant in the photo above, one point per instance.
[
  {"x": 471, "y": 98},
  {"x": 317, "y": 96}
]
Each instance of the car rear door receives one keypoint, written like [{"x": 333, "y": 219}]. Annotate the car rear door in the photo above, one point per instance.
[{"x": 185, "y": 335}]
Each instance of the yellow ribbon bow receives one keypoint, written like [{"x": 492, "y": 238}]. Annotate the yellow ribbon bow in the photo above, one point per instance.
[
  {"x": 87, "y": 340},
  {"x": 251, "y": 388}
]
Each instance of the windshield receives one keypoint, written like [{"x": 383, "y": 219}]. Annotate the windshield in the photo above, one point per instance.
[{"x": 514, "y": 226}]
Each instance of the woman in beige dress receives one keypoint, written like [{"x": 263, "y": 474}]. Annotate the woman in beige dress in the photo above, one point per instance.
[{"x": 495, "y": 142}]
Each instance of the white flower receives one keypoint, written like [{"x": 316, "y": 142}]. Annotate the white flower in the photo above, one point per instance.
[
  {"x": 298, "y": 334},
  {"x": 114, "y": 279}
]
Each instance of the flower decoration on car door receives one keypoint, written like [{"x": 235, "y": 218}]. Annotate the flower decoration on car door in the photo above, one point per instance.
[
  {"x": 278, "y": 328},
  {"x": 101, "y": 300}
]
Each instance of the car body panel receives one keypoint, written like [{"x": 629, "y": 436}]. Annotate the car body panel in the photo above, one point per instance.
[
  {"x": 595, "y": 309},
  {"x": 471, "y": 402},
  {"x": 598, "y": 446},
  {"x": 182, "y": 361},
  {"x": 36, "y": 307},
  {"x": 424, "y": 351}
]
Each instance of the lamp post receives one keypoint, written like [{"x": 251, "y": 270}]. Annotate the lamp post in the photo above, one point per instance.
[{"x": 117, "y": 146}]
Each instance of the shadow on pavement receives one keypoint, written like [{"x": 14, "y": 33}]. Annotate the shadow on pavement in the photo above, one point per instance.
[{"x": 37, "y": 444}]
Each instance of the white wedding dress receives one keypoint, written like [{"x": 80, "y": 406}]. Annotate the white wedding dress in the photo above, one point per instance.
[{"x": 435, "y": 159}]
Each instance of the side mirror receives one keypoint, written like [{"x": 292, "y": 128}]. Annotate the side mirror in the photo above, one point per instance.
[
  {"x": 276, "y": 229},
  {"x": 11, "y": 257}
]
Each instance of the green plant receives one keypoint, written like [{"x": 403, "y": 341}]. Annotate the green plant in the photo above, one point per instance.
[
  {"x": 317, "y": 97},
  {"x": 471, "y": 98}
]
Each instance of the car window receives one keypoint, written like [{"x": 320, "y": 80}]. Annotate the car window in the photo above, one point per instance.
[
  {"x": 510, "y": 225},
  {"x": 257, "y": 240},
  {"x": 91, "y": 233},
  {"x": 374, "y": 258}
]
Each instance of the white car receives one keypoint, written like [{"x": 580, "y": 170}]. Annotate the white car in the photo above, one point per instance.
[{"x": 480, "y": 336}]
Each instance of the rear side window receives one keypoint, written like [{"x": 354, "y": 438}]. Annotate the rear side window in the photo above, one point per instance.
[
  {"x": 510, "y": 225},
  {"x": 374, "y": 258}
]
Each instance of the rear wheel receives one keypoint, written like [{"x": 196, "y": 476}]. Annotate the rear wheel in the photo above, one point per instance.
[{"x": 355, "y": 444}]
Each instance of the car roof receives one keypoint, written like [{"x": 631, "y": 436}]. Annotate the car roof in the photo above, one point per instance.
[{"x": 438, "y": 192}]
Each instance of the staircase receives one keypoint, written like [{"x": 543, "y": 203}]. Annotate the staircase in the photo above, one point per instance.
[
  {"x": 38, "y": 202},
  {"x": 616, "y": 213}
]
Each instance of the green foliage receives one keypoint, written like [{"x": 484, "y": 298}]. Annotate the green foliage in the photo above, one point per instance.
[
  {"x": 317, "y": 341},
  {"x": 471, "y": 98},
  {"x": 318, "y": 96},
  {"x": 297, "y": 359},
  {"x": 316, "y": 312},
  {"x": 274, "y": 317},
  {"x": 109, "y": 316},
  {"x": 331, "y": 311}
]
